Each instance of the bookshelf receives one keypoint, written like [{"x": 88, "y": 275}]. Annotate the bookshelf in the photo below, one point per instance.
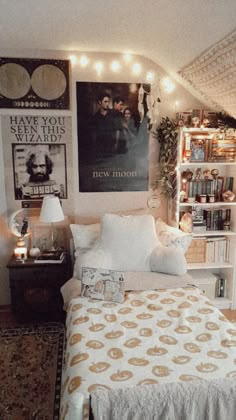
[{"x": 205, "y": 168}]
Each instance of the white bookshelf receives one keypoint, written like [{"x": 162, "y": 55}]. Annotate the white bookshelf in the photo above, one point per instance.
[{"x": 227, "y": 269}]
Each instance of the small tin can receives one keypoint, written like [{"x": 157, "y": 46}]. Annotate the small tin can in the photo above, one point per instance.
[
  {"x": 203, "y": 198},
  {"x": 211, "y": 198}
]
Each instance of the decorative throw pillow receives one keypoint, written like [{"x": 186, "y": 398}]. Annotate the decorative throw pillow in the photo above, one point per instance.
[
  {"x": 95, "y": 257},
  {"x": 102, "y": 284},
  {"x": 171, "y": 236},
  {"x": 130, "y": 240},
  {"x": 168, "y": 260},
  {"x": 85, "y": 236}
]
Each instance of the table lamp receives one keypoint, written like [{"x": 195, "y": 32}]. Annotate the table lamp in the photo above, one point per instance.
[{"x": 51, "y": 212}]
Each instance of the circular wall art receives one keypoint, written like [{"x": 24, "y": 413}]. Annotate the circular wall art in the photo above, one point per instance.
[
  {"x": 48, "y": 82},
  {"x": 153, "y": 202},
  {"x": 14, "y": 81}
]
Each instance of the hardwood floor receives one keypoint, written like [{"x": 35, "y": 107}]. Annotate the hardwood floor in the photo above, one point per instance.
[{"x": 7, "y": 318}]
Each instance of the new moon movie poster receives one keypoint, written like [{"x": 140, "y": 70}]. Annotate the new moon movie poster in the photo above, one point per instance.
[{"x": 113, "y": 136}]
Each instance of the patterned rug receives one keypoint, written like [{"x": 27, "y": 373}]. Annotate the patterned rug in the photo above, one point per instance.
[{"x": 30, "y": 372}]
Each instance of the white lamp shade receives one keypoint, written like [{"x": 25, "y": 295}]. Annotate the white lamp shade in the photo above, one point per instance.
[{"x": 51, "y": 210}]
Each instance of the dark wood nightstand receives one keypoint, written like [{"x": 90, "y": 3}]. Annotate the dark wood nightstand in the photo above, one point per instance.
[{"x": 35, "y": 289}]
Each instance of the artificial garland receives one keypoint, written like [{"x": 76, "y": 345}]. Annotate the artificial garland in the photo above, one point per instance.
[{"x": 167, "y": 136}]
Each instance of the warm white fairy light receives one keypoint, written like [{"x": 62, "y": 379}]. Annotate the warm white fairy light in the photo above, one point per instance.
[
  {"x": 150, "y": 76},
  {"x": 136, "y": 68},
  {"x": 115, "y": 65},
  {"x": 168, "y": 84},
  {"x": 73, "y": 59},
  {"x": 99, "y": 67},
  {"x": 127, "y": 57},
  {"x": 84, "y": 61}
]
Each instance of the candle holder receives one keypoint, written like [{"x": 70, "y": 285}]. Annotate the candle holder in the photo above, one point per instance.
[{"x": 20, "y": 250}]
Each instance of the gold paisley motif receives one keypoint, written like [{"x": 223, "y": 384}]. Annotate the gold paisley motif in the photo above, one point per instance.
[
  {"x": 109, "y": 305},
  {"x": 75, "y": 338},
  {"x": 205, "y": 311},
  {"x": 163, "y": 323},
  {"x": 98, "y": 387},
  {"x": 183, "y": 329},
  {"x": 177, "y": 294},
  {"x": 206, "y": 367},
  {"x": 136, "y": 361},
  {"x": 78, "y": 358},
  {"x": 185, "y": 305},
  {"x": 97, "y": 327},
  {"x": 170, "y": 341},
  {"x": 231, "y": 331},
  {"x": 157, "y": 351},
  {"x": 115, "y": 353},
  {"x": 136, "y": 303},
  {"x": 99, "y": 367},
  {"x": 146, "y": 332},
  {"x": 231, "y": 374},
  {"x": 153, "y": 307},
  {"x": 132, "y": 342},
  {"x": 152, "y": 296},
  {"x": 148, "y": 382},
  {"x": 144, "y": 316},
  {"x": 173, "y": 313},
  {"x": 74, "y": 384},
  {"x": 120, "y": 376},
  {"x": 188, "y": 378},
  {"x": 129, "y": 324},
  {"x": 110, "y": 317},
  {"x": 94, "y": 311},
  {"x": 192, "y": 348},
  {"x": 192, "y": 298},
  {"x": 114, "y": 334},
  {"x": 167, "y": 301},
  {"x": 228, "y": 343},
  {"x": 204, "y": 337},
  {"x": 223, "y": 318},
  {"x": 125, "y": 310},
  {"x": 161, "y": 370},
  {"x": 217, "y": 354},
  {"x": 181, "y": 360},
  {"x": 76, "y": 307},
  {"x": 193, "y": 319},
  {"x": 212, "y": 326},
  {"x": 64, "y": 385},
  {"x": 94, "y": 344},
  {"x": 81, "y": 320}
]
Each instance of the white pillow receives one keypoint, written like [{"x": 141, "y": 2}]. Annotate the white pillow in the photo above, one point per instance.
[
  {"x": 85, "y": 236},
  {"x": 168, "y": 260},
  {"x": 95, "y": 257},
  {"x": 130, "y": 240},
  {"x": 171, "y": 236}
]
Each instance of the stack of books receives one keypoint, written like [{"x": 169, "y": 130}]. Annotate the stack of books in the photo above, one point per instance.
[{"x": 53, "y": 257}]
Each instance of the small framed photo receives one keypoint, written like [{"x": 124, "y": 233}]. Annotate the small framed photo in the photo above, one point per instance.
[{"x": 197, "y": 148}]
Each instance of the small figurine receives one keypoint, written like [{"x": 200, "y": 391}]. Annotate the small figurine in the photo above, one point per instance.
[
  {"x": 196, "y": 122},
  {"x": 198, "y": 174}
]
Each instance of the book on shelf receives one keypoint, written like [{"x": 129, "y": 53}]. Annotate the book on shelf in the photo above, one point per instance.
[{"x": 53, "y": 257}]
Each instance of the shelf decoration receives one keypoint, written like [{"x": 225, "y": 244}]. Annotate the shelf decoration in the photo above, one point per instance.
[{"x": 167, "y": 136}]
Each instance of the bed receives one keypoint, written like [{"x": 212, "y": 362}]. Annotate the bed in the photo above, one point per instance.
[{"x": 140, "y": 359}]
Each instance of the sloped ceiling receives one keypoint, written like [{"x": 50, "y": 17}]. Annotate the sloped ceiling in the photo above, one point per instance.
[{"x": 172, "y": 33}]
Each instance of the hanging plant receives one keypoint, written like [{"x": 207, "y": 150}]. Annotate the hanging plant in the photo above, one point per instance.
[{"x": 167, "y": 136}]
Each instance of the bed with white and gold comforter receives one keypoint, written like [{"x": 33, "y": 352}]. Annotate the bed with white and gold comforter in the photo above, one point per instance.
[{"x": 154, "y": 337}]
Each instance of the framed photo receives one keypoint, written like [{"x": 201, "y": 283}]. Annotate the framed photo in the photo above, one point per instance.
[
  {"x": 39, "y": 170},
  {"x": 41, "y": 237},
  {"x": 197, "y": 149}
]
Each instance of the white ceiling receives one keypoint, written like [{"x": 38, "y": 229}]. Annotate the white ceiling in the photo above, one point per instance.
[{"x": 170, "y": 32}]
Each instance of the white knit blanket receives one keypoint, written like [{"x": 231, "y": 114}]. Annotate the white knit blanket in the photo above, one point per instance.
[{"x": 196, "y": 400}]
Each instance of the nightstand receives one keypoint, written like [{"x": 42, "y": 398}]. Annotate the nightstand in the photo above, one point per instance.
[{"x": 35, "y": 289}]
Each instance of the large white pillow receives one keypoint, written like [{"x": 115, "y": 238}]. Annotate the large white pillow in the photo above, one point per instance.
[
  {"x": 171, "y": 236},
  {"x": 168, "y": 260},
  {"x": 96, "y": 257},
  {"x": 130, "y": 241}
]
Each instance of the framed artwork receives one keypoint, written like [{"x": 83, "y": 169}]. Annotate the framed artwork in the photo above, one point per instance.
[
  {"x": 34, "y": 83},
  {"x": 197, "y": 149},
  {"x": 41, "y": 237},
  {"x": 39, "y": 170},
  {"x": 113, "y": 138}
]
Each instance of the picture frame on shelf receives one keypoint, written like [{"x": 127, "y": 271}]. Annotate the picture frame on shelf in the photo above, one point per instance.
[{"x": 197, "y": 149}]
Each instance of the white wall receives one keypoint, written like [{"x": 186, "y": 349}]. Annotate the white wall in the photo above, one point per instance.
[{"x": 81, "y": 205}]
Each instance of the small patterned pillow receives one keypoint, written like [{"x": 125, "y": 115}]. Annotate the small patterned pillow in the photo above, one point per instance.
[{"x": 170, "y": 236}]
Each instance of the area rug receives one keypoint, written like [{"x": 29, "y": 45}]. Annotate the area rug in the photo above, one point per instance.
[{"x": 30, "y": 372}]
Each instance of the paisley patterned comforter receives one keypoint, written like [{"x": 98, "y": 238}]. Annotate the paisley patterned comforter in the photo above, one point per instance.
[{"x": 153, "y": 337}]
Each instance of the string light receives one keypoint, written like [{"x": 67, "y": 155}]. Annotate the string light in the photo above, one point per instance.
[
  {"x": 127, "y": 57},
  {"x": 150, "y": 76},
  {"x": 99, "y": 67},
  {"x": 84, "y": 61},
  {"x": 136, "y": 68},
  {"x": 73, "y": 59},
  {"x": 115, "y": 66},
  {"x": 168, "y": 84}
]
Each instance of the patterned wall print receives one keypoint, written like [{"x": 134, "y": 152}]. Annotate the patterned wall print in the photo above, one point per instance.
[{"x": 34, "y": 83}]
